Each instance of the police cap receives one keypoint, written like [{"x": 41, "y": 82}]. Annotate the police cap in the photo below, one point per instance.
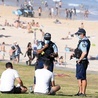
[
  {"x": 80, "y": 31},
  {"x": 47, "y": 36}
]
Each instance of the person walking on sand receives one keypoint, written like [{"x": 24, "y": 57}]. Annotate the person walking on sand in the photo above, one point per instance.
[
  {"x": 82, "y": 25},
  {"x": 17, "y": 53},
  {"x": 2, "y": 50},
  {"x": 52, "y": 12},
  {"x": 60, "y": 3},
  {"x": 17, "y": 2},
  {"x": 34, "y": 48},
  {"x": 3, "y": 2},
  {"x": 39, "y": 12},
  {"x": 29, "y": 53}
]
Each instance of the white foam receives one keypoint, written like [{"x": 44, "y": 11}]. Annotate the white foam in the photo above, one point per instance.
[
  {"x": 78, "y": 11},
  {"x": 94, "y": 12},
  {"x": 73, "y": 4}
]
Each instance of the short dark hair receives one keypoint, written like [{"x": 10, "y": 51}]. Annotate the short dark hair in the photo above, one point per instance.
[
  {"x": 9, "y": 65},
  {"x": 47, "y": 63}
]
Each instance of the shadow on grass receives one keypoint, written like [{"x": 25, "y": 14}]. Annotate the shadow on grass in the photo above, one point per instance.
[
  {"x": 63, "y": 95},
  {"x": 70, "y": 95}
]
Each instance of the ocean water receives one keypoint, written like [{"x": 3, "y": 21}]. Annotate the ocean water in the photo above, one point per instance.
[{"x": 91, "y": 5}]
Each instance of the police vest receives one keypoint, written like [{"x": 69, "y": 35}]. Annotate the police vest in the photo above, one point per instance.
[
  {"x": 46, "y": 53},
  {"x": 78, "y": 51}
]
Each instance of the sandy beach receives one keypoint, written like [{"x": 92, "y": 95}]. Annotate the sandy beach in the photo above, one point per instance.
[{"x": 58, "y": 31}]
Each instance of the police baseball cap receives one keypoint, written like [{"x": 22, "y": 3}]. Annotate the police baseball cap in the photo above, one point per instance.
[
  {"x": 80, "y": 31},
  {"x": 47, "y": 36}
]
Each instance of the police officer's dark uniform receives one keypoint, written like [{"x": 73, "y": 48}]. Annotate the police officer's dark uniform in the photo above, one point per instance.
[
  {"x": 48, "y": 53},
  {"x": 82, "y": 64}
]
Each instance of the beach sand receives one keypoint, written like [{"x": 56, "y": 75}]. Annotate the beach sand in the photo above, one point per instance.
[{"x": 58, "y": 31}]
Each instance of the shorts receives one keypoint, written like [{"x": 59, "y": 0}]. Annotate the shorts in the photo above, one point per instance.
[
  {"x": 12, "y": 57},
  {"x": 39, "y": 14},
  {"x": 15, "y": 90},
  {"x": 81, "y": 70}
]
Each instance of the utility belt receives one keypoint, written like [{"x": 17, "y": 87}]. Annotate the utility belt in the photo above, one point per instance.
[
  {"x": 85, "y": 61},
  {"x": 45, "y": 56}
]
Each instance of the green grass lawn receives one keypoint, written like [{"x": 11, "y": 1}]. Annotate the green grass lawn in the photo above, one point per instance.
[{"x": 68, "y": 83}]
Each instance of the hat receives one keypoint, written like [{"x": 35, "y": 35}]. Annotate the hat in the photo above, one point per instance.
[
  {"x": 47, "y": 36},
  {"x": 80, "y": 31}
]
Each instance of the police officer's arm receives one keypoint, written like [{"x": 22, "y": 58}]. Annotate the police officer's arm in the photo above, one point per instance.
[
  {"x": 84, "y": 51},
  {"x": 42, "y": 49},
  {"x": 55, "y": 53},
  {"x": 82, "y": 56}
]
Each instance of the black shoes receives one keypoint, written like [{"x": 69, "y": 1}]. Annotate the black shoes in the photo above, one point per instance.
[
  {"x": 80, "y": 94},
  {"x": 83, "y": 95}
]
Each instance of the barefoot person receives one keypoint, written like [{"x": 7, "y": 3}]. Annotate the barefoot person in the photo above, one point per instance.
[
  {"x": 29, "y": 53},
  {"x": 2, "y": 50}
]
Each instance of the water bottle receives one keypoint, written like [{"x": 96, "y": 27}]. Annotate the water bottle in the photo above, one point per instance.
[{"x": 30, "y": 89}]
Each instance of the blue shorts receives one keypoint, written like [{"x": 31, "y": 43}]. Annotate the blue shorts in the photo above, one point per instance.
[{"x": 81, "y": 70}]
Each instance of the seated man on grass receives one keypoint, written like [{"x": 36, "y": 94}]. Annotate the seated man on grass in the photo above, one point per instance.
[
  {"x": 8, "y": 78},
  {"x": 45, "y": 83}
]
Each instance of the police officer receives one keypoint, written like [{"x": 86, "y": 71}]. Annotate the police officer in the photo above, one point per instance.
[
  {"x": 46, "y": 50},
  {"x": 82, "y": 61}
]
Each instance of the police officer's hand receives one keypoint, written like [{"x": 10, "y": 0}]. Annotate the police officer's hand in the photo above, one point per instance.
[
  {"x": 71, "y": 56},
  {"x": 51, "y": 55},
  {"x": 46, "y": 45},
  {"x": 78, "y": 61}
]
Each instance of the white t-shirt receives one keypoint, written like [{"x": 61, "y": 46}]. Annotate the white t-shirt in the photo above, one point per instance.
[
  {"x": 7, "y": 79},
  {"x": 43, "y": 78}
]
